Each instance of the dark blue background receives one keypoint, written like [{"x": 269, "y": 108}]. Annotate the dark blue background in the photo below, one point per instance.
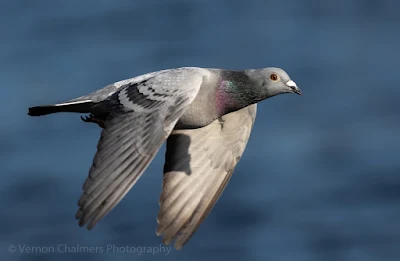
[{"x": 320, "y": 179}]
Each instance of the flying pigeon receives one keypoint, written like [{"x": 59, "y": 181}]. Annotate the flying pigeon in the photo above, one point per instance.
[{"x": 206, "y": 116}]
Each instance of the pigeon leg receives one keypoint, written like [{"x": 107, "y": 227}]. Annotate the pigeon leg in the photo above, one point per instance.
[
  {"x": 221, "y": 121},
  {"x": 92, "y": 118}
]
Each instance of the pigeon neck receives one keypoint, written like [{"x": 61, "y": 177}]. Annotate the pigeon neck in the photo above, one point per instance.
[{"x": 234, "y": 95}]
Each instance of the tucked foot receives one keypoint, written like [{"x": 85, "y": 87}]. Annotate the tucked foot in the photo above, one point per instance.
[
  {"x": 221, "y": 121},
  {"x": 92, "y": 118}
]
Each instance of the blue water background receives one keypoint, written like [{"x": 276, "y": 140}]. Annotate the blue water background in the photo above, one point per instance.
[{"x": 320, "y": 178}]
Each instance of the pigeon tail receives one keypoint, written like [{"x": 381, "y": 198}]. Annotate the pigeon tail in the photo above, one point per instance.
[{"x": 73, "y": 106}]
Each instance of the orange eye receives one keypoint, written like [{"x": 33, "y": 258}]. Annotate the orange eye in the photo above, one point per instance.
[{"x": 274, "y": 77}]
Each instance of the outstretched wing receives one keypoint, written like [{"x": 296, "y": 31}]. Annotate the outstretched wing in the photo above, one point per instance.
[
  {"x": 141, "y": 116},
  {"x": 199, "y": 164}
]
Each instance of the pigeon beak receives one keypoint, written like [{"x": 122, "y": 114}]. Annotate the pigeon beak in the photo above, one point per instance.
[{"x": 292, "y": 85}]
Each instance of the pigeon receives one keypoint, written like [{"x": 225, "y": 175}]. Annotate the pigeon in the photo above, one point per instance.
[{"x": 204, "y": 115}]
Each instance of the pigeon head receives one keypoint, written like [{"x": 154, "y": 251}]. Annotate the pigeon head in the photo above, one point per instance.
[{"x": 273, "y": 81}]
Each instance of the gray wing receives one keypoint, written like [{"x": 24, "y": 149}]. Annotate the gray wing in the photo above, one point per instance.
[
  {"x": 142, "y": 115},
  {"x": 104, "y": 93},
  {"x": 199, "y": 164}
]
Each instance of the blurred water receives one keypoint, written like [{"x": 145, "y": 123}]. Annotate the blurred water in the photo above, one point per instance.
[{"x": 320, "y": 179}]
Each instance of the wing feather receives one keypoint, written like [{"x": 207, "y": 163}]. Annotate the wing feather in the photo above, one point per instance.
[
  {"x": 141, "y": 116},
  {"x": 199, "y": 164}
]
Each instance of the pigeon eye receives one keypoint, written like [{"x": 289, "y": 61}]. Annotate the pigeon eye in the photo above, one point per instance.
[{"x": 274, "y": 77}]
